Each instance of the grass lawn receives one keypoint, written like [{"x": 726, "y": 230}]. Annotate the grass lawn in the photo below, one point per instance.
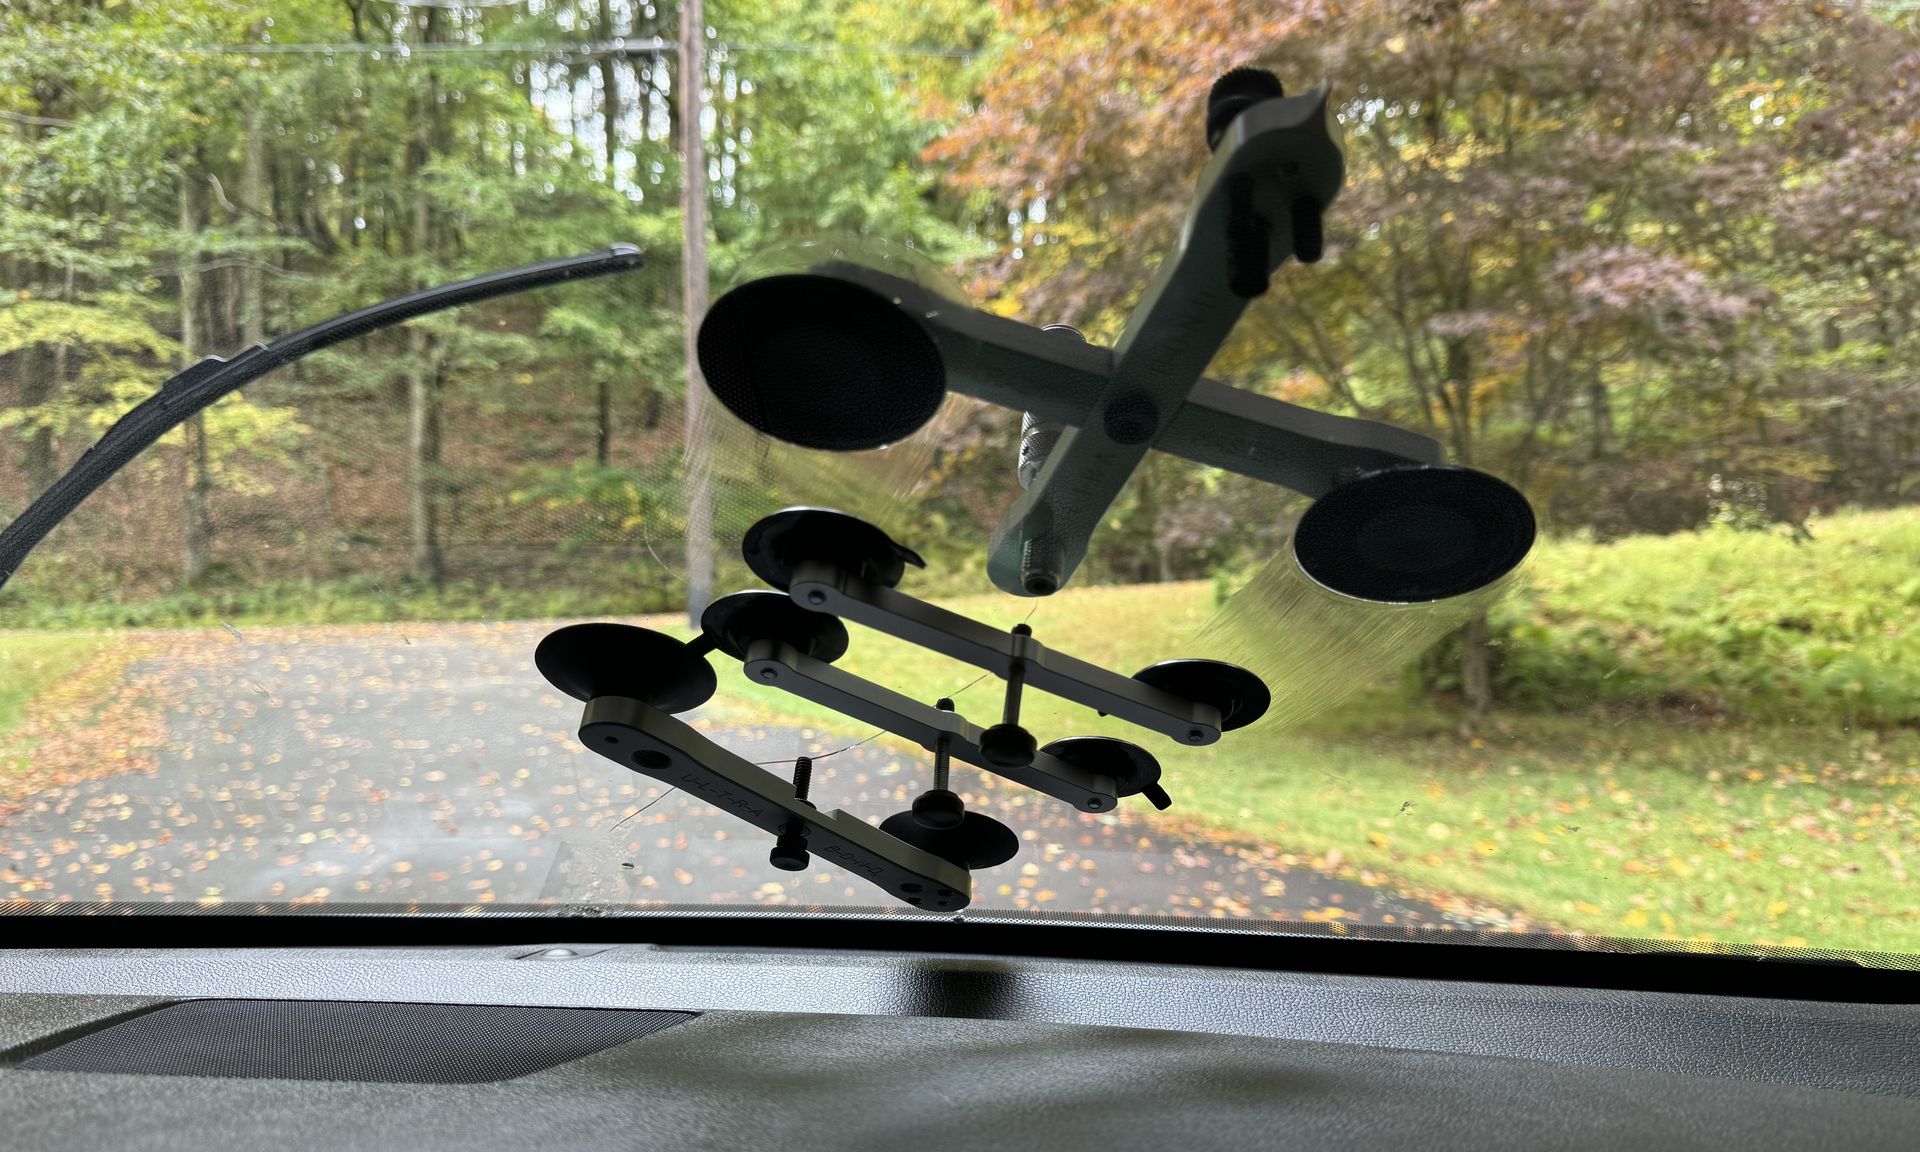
[
  {"x": 32, "y": 662},
  {"x": 1617, "y": 823}
]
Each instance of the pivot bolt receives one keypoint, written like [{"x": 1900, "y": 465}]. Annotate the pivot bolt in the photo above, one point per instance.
[
  {"x": 1007, "y": 744},
  {"x": 939, "y": 806}
]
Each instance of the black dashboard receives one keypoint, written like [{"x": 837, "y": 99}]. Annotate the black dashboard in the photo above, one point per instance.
[{"x": 786, "y": 1048}]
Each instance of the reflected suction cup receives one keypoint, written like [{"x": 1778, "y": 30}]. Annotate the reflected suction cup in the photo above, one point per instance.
[
  {"x": 1414, "y": 535},
  {"x": 779, "y": 543},
  {"x": 1239, "y": 695},
  {"x": 1133, "y": 768},
  {"x": 821, "y": 362},
  {"x": 736, "y": 621},
  {"x": 976, "y": 842},
  {"x": 589, "y": 660}
]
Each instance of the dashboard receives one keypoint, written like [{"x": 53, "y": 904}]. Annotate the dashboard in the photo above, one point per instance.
[{"x": 637, "y": 1046}]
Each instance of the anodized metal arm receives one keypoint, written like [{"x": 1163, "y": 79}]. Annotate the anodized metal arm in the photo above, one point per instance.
[
  {"x": 821, "y": 587},
  {"x": 644, "y": 739},
  {"x": 1275, "y": 155},
  {"x": 771, "y": 662},
  {"x": 1015, "y": 365}
]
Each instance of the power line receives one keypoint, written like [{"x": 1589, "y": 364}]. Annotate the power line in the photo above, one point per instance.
[{"x": 620, "y": 47}]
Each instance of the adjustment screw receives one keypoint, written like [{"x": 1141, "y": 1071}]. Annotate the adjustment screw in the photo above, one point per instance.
[
  {"x": 1006, "y": 744},
  {"x": 816, "y": 597},
  {"x": 789, "y": 853},
  {"x": 802, "y": 778}
]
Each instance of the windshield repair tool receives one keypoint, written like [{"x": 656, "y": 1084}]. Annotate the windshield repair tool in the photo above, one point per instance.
[
  {"x": 632, "y": 679},
  {"x": 782, "y": 645},
  {"x": 830, "y": 562},
  {"x": 845, "y": 357},
  {"x": 213, "y": 377}
]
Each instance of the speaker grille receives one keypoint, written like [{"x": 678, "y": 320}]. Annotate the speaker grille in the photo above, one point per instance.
[{"x": 325, "y": 1040}]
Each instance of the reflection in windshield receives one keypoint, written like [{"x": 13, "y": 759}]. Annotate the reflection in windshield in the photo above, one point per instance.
[{"x": 1641, "y": 260}]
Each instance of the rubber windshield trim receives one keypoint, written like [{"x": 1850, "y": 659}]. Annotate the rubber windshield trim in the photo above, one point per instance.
[
  {"x": 1479, "y": 957},
  {"x": 210, "y": 379}
]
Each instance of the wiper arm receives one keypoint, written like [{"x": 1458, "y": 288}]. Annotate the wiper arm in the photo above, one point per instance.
[{"x": 205, "y": 382}]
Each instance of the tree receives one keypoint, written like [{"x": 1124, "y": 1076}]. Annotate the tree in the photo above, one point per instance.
[{"x": 1540, "y": 256}]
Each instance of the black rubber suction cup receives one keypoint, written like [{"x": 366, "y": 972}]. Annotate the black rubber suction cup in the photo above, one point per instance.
[
  {"x": 1133, "y": 768},
  {"x": 1240, "y": 696},
  {"x": 976, "y": 842},
  {"x": 779, "y": 543},
  {"x": 1414, "y": 535},
  {"x": 738, "y": 620},
  {"x": 820, "y": 362},
  {"x": 589, "y": 660}
]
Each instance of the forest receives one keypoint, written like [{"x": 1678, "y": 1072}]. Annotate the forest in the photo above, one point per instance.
[{"x": 1652, "y": 262}]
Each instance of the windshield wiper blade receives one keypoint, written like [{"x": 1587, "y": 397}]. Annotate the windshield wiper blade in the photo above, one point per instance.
[{"x": 210, "y": 379}]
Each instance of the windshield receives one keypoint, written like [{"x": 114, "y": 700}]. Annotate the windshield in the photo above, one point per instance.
[{"x": 1648, "y": 263}]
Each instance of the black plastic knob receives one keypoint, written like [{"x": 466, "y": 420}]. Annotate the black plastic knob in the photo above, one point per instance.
[
  {"x": 1008, "y": 746},
  {"x": 939, "y": 808},
  {"x": 1233, "y": 94},
  {"x": 789, "y": 853}
]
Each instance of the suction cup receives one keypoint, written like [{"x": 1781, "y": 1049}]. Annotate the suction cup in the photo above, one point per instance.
[
  {"x": 1133, "y": 768},
  {"x": 589, "y": 660},
  {"x": 977, "y": 842},
  {"x": 738, "y": 620},
  {"x": 1240, "y": 696},
  {"x": 821, "y": 362},
  {"x": 1414, "y": 535},
  {"x": 779, "y": 543}
]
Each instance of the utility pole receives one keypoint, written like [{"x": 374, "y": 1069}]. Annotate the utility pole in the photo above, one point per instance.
[{"x": 693, "y": 296}]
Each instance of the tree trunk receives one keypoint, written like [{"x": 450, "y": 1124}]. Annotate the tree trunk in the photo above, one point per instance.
[
  {"x": 196, "y": 526},
  {"x": 425, "y": 562},
  {"x": 693, "y": 300},
  {"x": 1152, "y": 510},
  {"x": 1600, "y": 406},
  {"x": 1476, "y": 683},
  {"x": 42, "y": 462},
  {"x": 609, "y": 94},
  {"x": 36, "y": 376},
  {"x": 253, "y": 203},
  {"x": 1476, "y": 680},
  {"x": 610, "y": 127},
  {"x": 603, "y": 423}
]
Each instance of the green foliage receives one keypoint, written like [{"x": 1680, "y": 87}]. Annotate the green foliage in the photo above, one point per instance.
[
  {"x": 349, "y": 600},
  {"x": 1751, "y": 623},
  {"x": 602, "y": 503}
]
